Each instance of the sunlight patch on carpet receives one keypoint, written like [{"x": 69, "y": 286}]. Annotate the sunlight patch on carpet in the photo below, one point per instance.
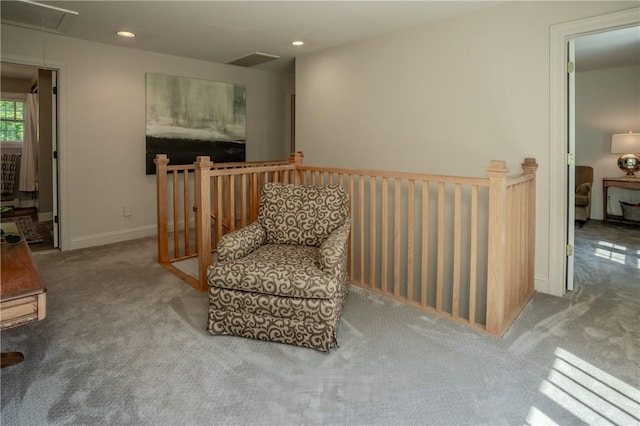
[{"x": 589, "y": 393}]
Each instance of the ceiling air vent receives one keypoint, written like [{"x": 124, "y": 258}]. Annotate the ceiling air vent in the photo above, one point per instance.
[
  {"x": 37, "y": 16},
  {"x": 252, "y": 59}
]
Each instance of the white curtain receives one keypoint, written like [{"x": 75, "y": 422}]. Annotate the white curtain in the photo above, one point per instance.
[{"x": 29, "y": 160}]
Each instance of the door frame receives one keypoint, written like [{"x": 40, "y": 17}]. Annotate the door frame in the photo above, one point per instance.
[
  {"x": 60, "y": 123},
  {"x": 571, "y": 163},
  {"x": 559, "y": 36}
]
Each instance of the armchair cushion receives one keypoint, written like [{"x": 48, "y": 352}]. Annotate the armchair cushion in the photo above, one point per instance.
[
  {"x": 301, "y": 214},
  {"x": 277, "y": 269}
]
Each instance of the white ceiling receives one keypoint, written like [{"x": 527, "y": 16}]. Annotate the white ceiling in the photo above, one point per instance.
[{"x": 220, "y": 31}]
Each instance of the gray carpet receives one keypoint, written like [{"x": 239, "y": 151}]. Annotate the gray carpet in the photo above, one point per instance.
[{"x": 124, "y": 343}]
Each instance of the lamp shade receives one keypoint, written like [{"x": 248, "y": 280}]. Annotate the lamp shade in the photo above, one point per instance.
[{"x": 625, "y": 143}]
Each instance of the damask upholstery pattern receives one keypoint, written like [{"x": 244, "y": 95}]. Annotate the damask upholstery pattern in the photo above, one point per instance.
[
  {"x": 284, "y": 277},
  {"x": 304, "y": 215}
]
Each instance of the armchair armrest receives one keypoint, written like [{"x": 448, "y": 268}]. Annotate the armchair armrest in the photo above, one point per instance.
[
  {"x": 583, "y": 188},
  {"x": 333, "y": 252},
  {"x": 238, "y": 244}
]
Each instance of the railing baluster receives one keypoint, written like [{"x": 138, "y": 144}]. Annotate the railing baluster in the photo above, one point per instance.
[
  {"x": 384, "y": 245},
  {"x": 372, "y": 232},
  {"x": 232, "y": 203},
  {"x": 457, "y": 236},
  {"x": 396, "y": 238},
  {"x": 441, "y": 245},
  {"x": 424, "y": 270},
  {"x": 410, "y": 238},
  {"x": 352, "y": 208},
  {"x": 219, "y": 207},
  {"x": 243, "y": 200},
  {"x": 361, "y": 225},
  {"x": 187, "y": 243},
  {"x": 473, "y": 255},
  {"x": 176, "y": 224}
]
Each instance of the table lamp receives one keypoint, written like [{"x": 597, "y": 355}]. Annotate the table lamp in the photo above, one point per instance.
[{"x": 627, "y": 144}]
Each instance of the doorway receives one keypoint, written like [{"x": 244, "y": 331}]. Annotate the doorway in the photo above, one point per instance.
[
  {"x": 606, "y": 90},
  {"x": 560, "y": 34},
  {"x": 29, "y": 151}
]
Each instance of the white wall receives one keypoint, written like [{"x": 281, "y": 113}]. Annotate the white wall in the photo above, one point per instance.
[
  {"x": 444, "y": 98},
  {"x": 102, "y": 127},
  {"x": 607, "y": 102}
]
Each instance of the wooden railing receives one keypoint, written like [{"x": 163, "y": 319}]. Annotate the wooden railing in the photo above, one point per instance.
[
  {"x": 459, "y": 247},
  {"x": 176, "y": 213}
]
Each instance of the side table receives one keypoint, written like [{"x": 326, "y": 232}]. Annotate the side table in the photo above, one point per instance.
[
  {"x": 620, "y": 182},
  {"x": 22, "y": 291}
]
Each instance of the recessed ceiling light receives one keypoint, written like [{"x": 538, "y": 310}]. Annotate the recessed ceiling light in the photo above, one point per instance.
[
  {"x": 298, "y": 43},
  {"x": 127, "y": 34}
]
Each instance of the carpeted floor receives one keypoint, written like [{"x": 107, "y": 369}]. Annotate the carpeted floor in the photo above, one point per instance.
[{"x": 124, "y": 343}]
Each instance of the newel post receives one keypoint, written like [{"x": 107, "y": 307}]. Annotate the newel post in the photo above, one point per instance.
[
  {"x": 497, "y": 255},
  {"x": 297, "y": 159},
  {"x": 203, "y": 217},
  {"x": 162, "y": 162},
  {"x": 531, "y": 166}
]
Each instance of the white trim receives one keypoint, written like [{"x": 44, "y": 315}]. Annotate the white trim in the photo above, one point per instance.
[
  {"x": 541, "y": 284},
  {"x": 11, "y": 96},
  {"x": 559, "y": 35},
  {"x": 113, "y": 237},
  {"x": 11, "y": 145},
  {"x": 60, "y": 67}
]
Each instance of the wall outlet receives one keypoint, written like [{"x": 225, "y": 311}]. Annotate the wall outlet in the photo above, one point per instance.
[{"x": 126, "y": 211}]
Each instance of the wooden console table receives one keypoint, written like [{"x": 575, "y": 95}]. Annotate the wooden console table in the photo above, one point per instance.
[
  {"x": 621, "y": 182},
  {"x": 22, "y": 292}
]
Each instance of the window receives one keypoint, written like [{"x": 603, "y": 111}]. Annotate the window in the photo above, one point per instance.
[{"x": 12, "y": 120}]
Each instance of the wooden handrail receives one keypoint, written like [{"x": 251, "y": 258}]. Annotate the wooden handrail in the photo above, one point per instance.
[{"x": 398, "y": 175}]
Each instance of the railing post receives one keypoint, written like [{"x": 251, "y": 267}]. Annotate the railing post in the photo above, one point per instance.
[
  {"x": 497, "y": 245},
  {"x": 531, "y": 166},
  {"x": 297, "y": 158},
  {"x": 162, "y": 162},
  {"x": 203, "y": 217}
]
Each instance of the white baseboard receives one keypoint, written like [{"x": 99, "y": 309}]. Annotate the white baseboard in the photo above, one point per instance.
[
  {"x": 542, "y": 285},
  {"x": 45, "y": 217},
  {"x": 113, "y": 237}
]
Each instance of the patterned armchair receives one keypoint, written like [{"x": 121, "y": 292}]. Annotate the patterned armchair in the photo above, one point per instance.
[
  {"x": 584, "y": 182},
  {"x": 283, "y": 278}
]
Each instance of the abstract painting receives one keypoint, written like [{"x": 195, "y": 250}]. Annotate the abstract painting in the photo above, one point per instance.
[{"x": 188, "y": 117}]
